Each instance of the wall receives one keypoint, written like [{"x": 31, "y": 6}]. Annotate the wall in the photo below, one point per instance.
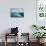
[{"x": 24, "y": 24}]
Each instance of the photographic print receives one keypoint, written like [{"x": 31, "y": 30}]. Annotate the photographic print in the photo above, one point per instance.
[
  {"x": 41, "y": 8},
  {"x": 17, "y": 12}
]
